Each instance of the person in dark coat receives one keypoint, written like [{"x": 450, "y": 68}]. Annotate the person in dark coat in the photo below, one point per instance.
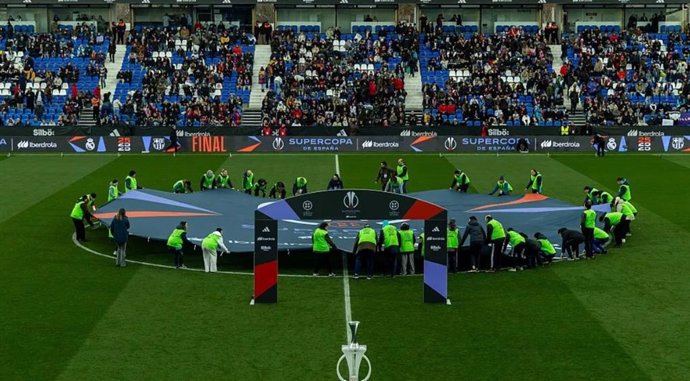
[
  {"x": 477, "y": 237},
  {"x": 119, "y": 229},
  {"x": 335, "y": 183},
  {"x": 571, "y": 242}
]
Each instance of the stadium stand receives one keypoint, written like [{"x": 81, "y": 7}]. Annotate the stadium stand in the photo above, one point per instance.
[{"x": 335, "y": 79}]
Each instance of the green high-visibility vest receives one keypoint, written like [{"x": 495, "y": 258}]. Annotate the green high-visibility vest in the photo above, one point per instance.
[
  {"x": 90, "y": 203},
  {"x": 208, "y": 181},
  {"x": 175, "y": 239},
  {"x": 367, "y": 235},
  {"x": 590, "y": 218},
  {"x": 422, "y": 242},
  {"x": 600, "y": 233},
  {"x": 497, "y": 231},
  {"x": 546, "y": 246},
  {"x": 248, "y": 182},
  {"x": 406, "y": 241},
  {"x": 132, "y": 184},
  {"x": 535, "y": 182},
  {"x": 399, "y": 172},
  {"x": 77, "y": 212},
  {"x": 614, "y": 217},
  {"x": 626, "y": 210},
  {"x": 178, "y": 186},
  {"x": 210, "y": 242},
  {"x": 605, "y": 198},
  {"x": 632, "y": 207},
  {"x": 301, "y": 182},
  {"x": 505, "y": 187},
  {"x": 627, "y": 195},
  {"x": 459, "y": 178},
  {"x": 514, "y": 238},
  {"x": 590, "y": 195},
  {"x": 223, "y": 181},
  {"x": 390, "y": 236},
  {"x": 452, "y": 237},
  {"x": 320, "y": 245},
  {"x": 565, "y": 130},
  {"x": 113, "y": 192}
]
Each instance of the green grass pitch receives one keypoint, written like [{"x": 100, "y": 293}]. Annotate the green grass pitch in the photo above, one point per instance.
[{"x": 68, "y": 315}]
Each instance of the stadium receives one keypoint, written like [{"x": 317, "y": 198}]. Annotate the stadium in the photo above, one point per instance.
[{"x": 344, "y": 189}]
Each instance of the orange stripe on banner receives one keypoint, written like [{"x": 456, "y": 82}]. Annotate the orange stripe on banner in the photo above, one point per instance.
[
  {"x": 250, "y": 148},
  {"x": 422, "y": 139},
  {"x": 532, "y": 197},
  {"x": 151, "y": 214}
]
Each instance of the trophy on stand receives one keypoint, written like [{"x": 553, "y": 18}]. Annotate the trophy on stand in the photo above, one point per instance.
[{"x": 353, "y": 353}]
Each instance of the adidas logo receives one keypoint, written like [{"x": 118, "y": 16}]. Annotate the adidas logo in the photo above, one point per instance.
[
  {"x": 146, "y": 1},
  {"x": 541, "y": 2},
  {"x": 341, "y": 133},
  {"x": 405, "y": 133},
  {"x": 115, "y": 132},
  {"x": 660, "y": 1},
  {"x": 633, "y": 133},
  {"x": 462, "y": 1},
  {"x": 26, "y": 1},
  {"x": 435, "y": 230},
  {"x": 227, "y": 1},
  {"x": 266, "y": 230}
]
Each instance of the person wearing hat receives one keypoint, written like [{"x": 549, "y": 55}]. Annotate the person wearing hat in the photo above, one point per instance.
[
  {"x": 182, "y": 186},
  {"x": 176, "y": 241},
  {"x": 461, "y": 182},
  {"x": 477, "y": 237},
  {"x": 495, "y": 236},
  {"x": 453, "y": 244},
  {"x": 402, "y": 172},
  {"x": 212, "y": 244},
  {"x": 322, "y": 247},
  {"x": 535, "y": 182},
  {"x": 208, "y": 181},
  {"x": 571, "y": 243},
  {"x": 389, "y": 244},
  {"x": 503, "y": 187},
  {"x": 407, "y": 241},
  {"x": 364, "y": 249}
]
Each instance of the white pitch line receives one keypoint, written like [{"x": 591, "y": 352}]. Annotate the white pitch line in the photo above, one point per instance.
[
  {"x": 346, "y": 278},
  {"x": 337, "y": 165}
]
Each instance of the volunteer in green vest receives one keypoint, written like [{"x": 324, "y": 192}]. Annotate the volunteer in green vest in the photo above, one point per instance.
[
  {"x": 517, "y": 243},
  {"x": 629, "y": 211},
  {"x": 461, "y": 182},
  {"x": 210, "y": 246},
  {"x": 183, "y": 186},
  {"x": 453, "y": 244},
  {"x": 601, "y": 240},
  {"x": 176, "y": 241},
  {"x": 364, "y": 249},
  {"x": 591, "y": 195},
  {"x": 546, "y": 250},
  {"x": 223, "y": 180},
  {"x": 495, "y": 237},
  {"x": 624, "y": 190},
  {"x": 535, "y": 182},
  {"x": 113, "y": 190},
  {"x": 91, "y": 205},
  {"x": 131, "y": 181},
  {"x": 248, "y": 182},
  {"x": 603, "y": 197},
  {"x": 260, "y": 188},
  {"x": 588, "y": 221},
  {"x": 503, "y": 187},
  {"x": 402, "y": 172},
  {"x": 299, "y": 186},
  {"x": 395, "y": 184},
  {"x": 407, "y": 240},
  {"x": 80, "y": 211},
  {"x": 208, "y": 181},
  {"x": 614, "y": 222},
  {"x": 389, "y": 244},
  {"x": 323, "y": 248}
]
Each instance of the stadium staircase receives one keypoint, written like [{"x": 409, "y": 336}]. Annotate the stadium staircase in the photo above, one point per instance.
[
  {"x": 110, "y": 84},
  {"x": 262, "y": 55},
  {"x": 578, "y": 117},
  {"x": 251, "y": 118},
  {"x": 413, "y": 86}
]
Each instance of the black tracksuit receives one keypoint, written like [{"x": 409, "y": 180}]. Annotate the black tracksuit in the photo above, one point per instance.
[{"x": 571, "y": 242}]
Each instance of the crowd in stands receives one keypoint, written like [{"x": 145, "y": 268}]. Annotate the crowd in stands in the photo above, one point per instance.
[
  {"x": 627, "y": 78},
  {"x": 337, "y": 79},
  {"x": 189, "y": 77},
  {"x": 504, "y": 78}
]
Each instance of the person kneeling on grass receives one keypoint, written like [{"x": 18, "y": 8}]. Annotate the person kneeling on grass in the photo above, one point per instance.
[
  {"x": 176, "y": 241},
  {"x": 299, "y": 186},
  {"x": 461, "y": 182},
  {"x": 209, "y": 248},
  {"x": 571, "y": 243},
  {"x": 278, "y": 190},
  {"x": 601, "y": 240},
  {"x": 182, "y": 186},
  {"x": 517, "y": 243},
  {"x": 260, "y": 188},
  {"x": 546, "y": 251}
]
